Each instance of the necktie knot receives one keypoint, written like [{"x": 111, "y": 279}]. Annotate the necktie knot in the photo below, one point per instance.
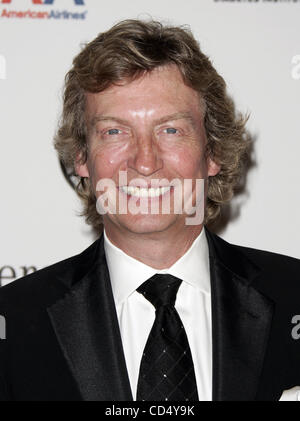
[{"x": 160, "y": 289}]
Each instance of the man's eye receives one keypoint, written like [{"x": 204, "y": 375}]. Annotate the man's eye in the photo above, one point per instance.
[
  {"x": 113, "y": 131},
  {"x": 171, "y": 130}
]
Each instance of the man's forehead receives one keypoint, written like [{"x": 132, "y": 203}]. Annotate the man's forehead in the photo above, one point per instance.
[
  {"x": 165, "y": 75},
  {"x": 153, "y": 94}
]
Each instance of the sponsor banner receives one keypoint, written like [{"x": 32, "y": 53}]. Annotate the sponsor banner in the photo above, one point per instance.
[
  {"x": 42, "y": 9},
  {"x": 9, "y": 273}
]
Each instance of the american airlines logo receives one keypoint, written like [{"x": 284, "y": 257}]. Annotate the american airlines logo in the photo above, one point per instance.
[
  {"x": 50, "y": 2},
  {"x": 42, "y": 12}
]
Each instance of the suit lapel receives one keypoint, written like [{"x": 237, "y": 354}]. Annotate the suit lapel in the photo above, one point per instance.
[
  {"x": 86, "y": 325},
  {"x": 241, "y": 319}
]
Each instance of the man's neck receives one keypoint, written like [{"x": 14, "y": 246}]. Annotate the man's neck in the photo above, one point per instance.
[{"x": 159, "y": 250}]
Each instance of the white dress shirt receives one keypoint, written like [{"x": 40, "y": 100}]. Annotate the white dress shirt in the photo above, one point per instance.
[{"x": 193, "y": 303}]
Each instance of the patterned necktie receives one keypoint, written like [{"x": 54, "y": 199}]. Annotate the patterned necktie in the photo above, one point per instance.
[{"x": 167, "y": 370}]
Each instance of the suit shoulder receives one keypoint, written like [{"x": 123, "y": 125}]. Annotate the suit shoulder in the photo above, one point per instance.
[
  {"x": 32, "y": 283},
  {"x": 235, "y": 256},
  {"x": 43, "y": 287},
  {"x": 279, "y": 276},
  {"x": 275, "y": 275},
  {"x": 272, "y": 261}
]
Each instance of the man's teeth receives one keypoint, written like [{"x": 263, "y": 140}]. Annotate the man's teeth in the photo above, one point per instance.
[{"x": 144, "y": 192}]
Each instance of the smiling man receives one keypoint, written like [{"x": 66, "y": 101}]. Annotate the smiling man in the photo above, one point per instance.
[
  {"x": 152, "y": 128},
  {"x": 158, "y": 308}
]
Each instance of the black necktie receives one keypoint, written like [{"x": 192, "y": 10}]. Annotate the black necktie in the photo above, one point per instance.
[{"x": 167, "y": 370}]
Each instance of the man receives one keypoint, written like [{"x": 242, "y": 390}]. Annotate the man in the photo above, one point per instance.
[{"x": 158, "y": 308}]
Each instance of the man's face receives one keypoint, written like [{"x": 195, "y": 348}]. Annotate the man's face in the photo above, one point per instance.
[{"x": 151, "y": 128}]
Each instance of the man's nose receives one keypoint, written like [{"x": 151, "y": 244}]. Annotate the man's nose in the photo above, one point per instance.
[{"x": 145, "y": 159}]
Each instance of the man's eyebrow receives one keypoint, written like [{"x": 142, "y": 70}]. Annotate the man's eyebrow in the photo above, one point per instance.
[
  {"x": 161, "y": 120},
  {"x": 98, "y": 118},
  {"x": 175, "y": 116}
]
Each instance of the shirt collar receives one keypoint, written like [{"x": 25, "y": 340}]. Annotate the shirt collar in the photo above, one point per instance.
[{"x": 127, "y": 273}]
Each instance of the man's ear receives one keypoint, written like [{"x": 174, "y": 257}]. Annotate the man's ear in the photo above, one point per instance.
[
  {"x": 81, "y": 167},
  {"x": 213, "y": 167}
]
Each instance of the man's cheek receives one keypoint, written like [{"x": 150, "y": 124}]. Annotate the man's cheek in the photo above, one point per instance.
[
  {"x": 100, "y": 168},
  {"x": 191, "y": 168}
]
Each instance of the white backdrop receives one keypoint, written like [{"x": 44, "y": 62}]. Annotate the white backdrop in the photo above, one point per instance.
[{"x": 255, "y": 45}]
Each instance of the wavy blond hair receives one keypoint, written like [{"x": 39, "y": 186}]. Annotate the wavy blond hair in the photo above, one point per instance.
[{"x": 125, "y": 52}]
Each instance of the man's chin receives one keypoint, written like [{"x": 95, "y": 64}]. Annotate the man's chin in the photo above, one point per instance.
[{"x": 143, "y": 224}]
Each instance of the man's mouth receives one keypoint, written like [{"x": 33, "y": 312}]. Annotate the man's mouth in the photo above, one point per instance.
[{"x": 144, "y": 192}]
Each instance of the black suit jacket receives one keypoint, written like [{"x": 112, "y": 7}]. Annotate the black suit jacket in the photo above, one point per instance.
[{"x": 63, "y": 340}]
